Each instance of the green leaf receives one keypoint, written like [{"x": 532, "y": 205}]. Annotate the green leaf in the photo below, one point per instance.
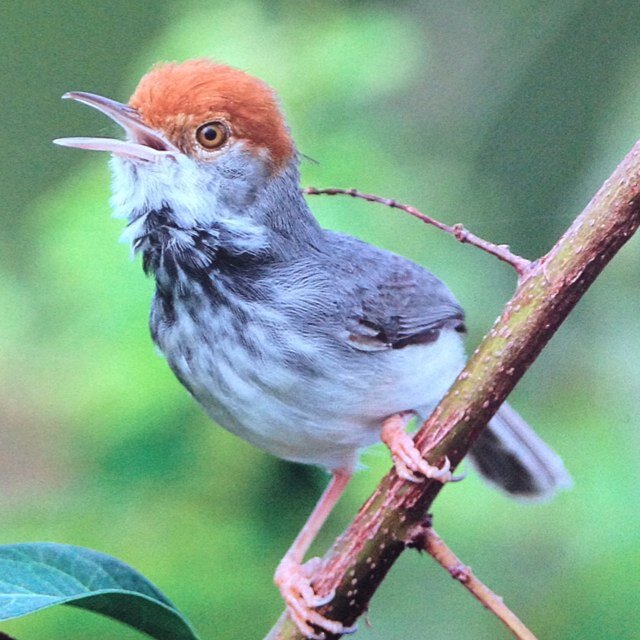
[{"x": 37, "y": 575}]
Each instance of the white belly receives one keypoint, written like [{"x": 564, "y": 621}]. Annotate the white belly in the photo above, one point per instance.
[{"x": 318, "y": 407}]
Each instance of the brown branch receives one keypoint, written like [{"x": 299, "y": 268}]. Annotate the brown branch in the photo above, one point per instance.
[
  {"x": 360, "y": 558},
  {"x": 458, "y": 231},
  {"x": 426, "y": 539}
]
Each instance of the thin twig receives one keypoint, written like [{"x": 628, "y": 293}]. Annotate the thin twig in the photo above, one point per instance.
[
  {"x": 426, "y": 539},
  {"x": 458, "y": 231}
]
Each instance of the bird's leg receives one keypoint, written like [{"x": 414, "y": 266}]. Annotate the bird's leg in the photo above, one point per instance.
[
  {"x": 294, "y": 578},
  {"x": 406, "y": 457}
]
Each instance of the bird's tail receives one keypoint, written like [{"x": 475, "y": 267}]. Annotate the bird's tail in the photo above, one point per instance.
[{"x": 510, "y": 456}]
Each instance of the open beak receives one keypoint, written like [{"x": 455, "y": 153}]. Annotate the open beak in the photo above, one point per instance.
[{"x": 144, "y": 143}]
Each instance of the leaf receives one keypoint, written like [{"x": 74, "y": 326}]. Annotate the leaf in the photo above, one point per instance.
[{"x": 38, "y": 575}]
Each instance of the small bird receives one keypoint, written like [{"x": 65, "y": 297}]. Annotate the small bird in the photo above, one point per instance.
[{"x": 306, "y": 342}]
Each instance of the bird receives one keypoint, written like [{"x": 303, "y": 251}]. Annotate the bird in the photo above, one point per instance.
[{"x": 306, "y": 342}]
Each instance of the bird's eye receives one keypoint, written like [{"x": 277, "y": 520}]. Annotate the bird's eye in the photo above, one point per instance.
[{"x": 211, "y": 135}]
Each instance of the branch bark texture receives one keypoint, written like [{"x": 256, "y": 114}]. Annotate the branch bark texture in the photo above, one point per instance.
[{"x": 547, "y": 291}]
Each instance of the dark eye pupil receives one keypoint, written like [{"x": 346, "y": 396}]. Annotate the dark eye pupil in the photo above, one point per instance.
[{"x": 210, "y": 134}]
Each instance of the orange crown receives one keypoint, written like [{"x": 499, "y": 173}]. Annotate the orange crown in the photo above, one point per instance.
[{"x": 178, "y": 97}]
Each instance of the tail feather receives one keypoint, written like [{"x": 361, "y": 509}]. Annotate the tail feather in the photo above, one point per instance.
[{"x": 510, "y": 456}]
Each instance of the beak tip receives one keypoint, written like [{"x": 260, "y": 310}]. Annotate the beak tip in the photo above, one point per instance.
[{"x": 61, "y": 142}]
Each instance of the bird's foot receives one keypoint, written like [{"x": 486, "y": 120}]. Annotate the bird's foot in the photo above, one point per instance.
[
  {"x": 294, "y": 582},
  {"x": 405, "y": 455}
]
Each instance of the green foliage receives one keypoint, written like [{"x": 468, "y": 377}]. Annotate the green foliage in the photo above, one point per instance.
[
  {"x": 35, "y": 576},
  {"x": 504, "y": 116}
]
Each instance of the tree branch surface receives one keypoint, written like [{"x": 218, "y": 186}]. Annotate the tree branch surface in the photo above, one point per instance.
[{"x": 547, "y": 291}]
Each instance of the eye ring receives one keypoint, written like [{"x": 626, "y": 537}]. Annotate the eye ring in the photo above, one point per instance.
[{"x": 212, "y": 135}]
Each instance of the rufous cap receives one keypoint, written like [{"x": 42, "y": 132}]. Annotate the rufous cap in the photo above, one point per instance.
[{"x": 178, "y": 97}]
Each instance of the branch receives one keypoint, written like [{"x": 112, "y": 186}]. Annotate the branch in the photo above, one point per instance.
[
  {"x": 426, "y": 539},
  {"x": 360, "y": 558},
  {"x": 500, "y": 251}
]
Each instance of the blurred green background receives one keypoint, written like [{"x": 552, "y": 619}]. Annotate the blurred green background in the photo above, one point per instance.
[{"x": 506, "y": 116}]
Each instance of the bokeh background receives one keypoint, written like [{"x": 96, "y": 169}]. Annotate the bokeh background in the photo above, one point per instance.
[{"x": 506, "y": 116}]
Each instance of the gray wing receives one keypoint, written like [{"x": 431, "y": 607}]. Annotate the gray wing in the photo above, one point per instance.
[{"x": 395, "y": 302}]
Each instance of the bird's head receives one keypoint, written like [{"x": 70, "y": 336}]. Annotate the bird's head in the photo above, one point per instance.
[{"x": 205, "y": 144}]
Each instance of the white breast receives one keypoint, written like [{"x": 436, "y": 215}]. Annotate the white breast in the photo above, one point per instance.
[{"x": 313, "y": 407}]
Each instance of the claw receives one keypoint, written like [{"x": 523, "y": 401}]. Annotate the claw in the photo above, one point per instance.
[
  {"x": 409, "y": 464},
  {"x": 294, "y": 581}
]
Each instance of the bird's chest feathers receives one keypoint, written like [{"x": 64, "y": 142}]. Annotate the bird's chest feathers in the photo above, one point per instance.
[
  {"x": 178, "y": 256},
  {"x": 221, "y": 346}
]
